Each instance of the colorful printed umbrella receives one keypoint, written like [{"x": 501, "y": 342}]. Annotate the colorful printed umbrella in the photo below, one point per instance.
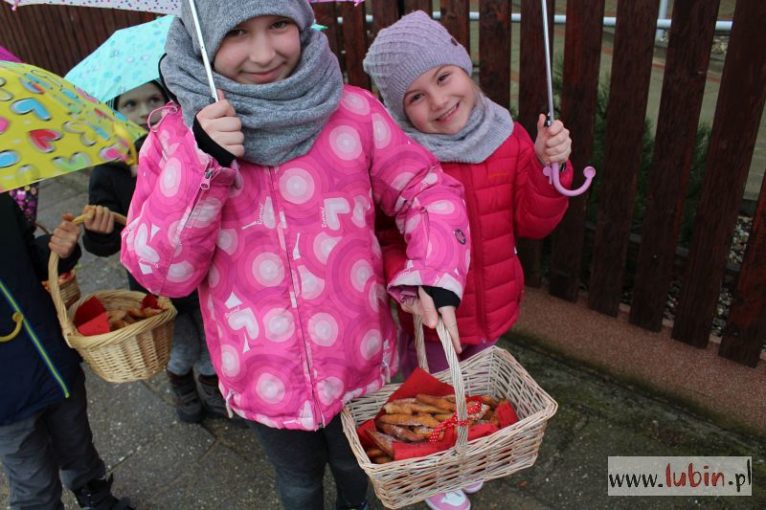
[
  {"x": 127, "y": 60},
  {"x": 48, "y": 127}
]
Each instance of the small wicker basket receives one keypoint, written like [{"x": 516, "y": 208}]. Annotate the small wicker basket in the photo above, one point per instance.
[
  {"x": 492, "y": 372},
  {"x": 69, "y": 288},
  {"x": 134, "y": 352}
]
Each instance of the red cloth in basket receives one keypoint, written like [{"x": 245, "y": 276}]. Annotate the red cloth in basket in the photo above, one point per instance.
[
  {"x": 91, "y": 319},
  {"x": 422, "y": 382}
]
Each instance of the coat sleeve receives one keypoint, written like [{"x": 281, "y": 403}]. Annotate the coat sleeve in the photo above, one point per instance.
[
  {"x": 175, "y": 215},
  {"x": 427, "y": 206},
  {"x": 538, "y": 206},
  {"x": 391, "y": 244},
  {"x": 103, "y": 191},
  {"x": 38, "y": 250}
]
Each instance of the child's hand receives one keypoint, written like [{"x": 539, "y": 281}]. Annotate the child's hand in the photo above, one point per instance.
[
  {"x": 220, "y": 122},
  {"x": 101, "y": 219},
  {"x": 64, "y": 238},
  {"x": 553, "y": 144},
  {"x": 423, "y": 306}
]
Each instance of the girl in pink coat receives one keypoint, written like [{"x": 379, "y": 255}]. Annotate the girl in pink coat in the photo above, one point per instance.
[{"x": 264, "y": 201}]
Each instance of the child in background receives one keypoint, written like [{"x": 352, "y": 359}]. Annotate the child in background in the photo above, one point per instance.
[
  {"x": 110, "y": 190},
  {"x": 45, "y": 436},
  {"x": 424, "y": 76},
  {"x": 265, "y": 201}
]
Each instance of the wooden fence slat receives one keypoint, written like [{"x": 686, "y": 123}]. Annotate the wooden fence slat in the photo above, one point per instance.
[
  {"x": 582, "y": 57},
  {"x": 745, "y": 332},
  {"x": 46, "y": 60},
  {"x": 455, "y": 19},
  {"x": 12, "y": 32},
  {"x": 354, "y": 43},
  {"x": 533, "y": 100},
  {"x": 76, "y": 15},
  {"x": 421, "y": 5},
  {"x": 327, "y": 15},
  {"x": 58, "y": 30},
  {"x": 628, "y": 95},
  {"x": 687, "y": 60},
  {"x": 740, "y": 105},
  {"x": 383, "y": 15},
  {"x": 495, "y": 50}
]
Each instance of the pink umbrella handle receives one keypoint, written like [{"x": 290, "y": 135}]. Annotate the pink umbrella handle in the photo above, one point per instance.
[{"x": 552, "y": 173}]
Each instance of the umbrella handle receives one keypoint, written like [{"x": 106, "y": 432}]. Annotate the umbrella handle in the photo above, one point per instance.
[
  {"x": 552, "y": 173},
  {"x": 203, "y": 49}
]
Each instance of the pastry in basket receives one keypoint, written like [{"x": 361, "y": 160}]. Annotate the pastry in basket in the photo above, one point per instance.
[
  {"x": 425, "y": 418},
  {"x": 92, "y": 318}
]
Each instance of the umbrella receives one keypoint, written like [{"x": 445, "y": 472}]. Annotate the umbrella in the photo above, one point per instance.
[
  {"x": 48, "y": 127},
  {"x": 26, "y": 197},
  {"x": 7, "y": 55},
  {"x": 161, "y": 6},
  {"x": 552, "y": 171},
  {"x": 127, "y": 60}
]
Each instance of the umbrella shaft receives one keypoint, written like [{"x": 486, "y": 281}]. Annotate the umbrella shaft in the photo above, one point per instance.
[{"x": 548, "y": 72}]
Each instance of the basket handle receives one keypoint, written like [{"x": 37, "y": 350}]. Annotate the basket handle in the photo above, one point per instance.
[
  {"x": 53, "y": 279},
  {"x": 456, "y": 374}
]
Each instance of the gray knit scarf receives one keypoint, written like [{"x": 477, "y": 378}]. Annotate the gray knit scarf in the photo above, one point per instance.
[
  {"x": 488, "y": 126},
  {"x": 280, "y": 120}
]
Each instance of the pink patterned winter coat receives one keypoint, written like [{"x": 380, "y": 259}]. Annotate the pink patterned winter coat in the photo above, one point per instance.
[{"x": 289, "y": 271}]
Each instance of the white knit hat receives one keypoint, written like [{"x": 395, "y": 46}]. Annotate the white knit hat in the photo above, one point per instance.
[{"x": 405, "y": 50}]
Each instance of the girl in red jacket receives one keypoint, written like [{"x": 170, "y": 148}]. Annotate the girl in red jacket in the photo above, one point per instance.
[{"x": 424, "y": 76}]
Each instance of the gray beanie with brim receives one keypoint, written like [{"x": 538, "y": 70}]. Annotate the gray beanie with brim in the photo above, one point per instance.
[
  {"x": 405, "y": 50},
  {"x": 218, "y": 17}
]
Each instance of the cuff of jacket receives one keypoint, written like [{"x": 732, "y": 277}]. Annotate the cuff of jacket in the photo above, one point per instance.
[
  {"x": 70, "y": 262},
  {"x": 442, "y": 297},
  {"x": 207, "y": 144}
]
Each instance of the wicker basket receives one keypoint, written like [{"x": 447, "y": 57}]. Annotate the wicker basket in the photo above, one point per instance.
[
  {"x": 70, "y": 288},
  {"x": 134, "y": 352},
  {"x": 492, "y": 372}
]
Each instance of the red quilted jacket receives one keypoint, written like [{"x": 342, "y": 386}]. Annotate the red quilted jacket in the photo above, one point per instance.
[{"x": 507, "y": 196}]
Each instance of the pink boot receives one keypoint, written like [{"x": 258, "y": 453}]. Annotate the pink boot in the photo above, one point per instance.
[
  {"x": 455, "y": 500},
  {"x": 473, "y": 488}
]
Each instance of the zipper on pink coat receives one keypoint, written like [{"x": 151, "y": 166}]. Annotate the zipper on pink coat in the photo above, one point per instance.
[{"x": 282, "y": 225}]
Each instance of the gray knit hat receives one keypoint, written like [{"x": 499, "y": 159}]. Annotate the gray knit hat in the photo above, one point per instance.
[
  {"x": 218, "y": 17},
  {"x": 407, "y": 49}
]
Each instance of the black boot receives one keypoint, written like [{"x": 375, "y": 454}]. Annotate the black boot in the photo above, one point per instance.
[
  {"x": 188, "y": 405},
  {"x": 211, "y": 397},
  {"x": 97, "y": 495}
]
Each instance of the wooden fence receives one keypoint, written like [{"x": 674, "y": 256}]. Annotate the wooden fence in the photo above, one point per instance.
[{"x": 57, "y": 37}]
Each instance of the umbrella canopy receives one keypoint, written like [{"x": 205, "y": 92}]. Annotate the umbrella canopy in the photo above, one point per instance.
[
  {"x": 127, "y": 60},
  {"x": 8, "y": 56},
  {"x": 161, "y": 6},
  {"x": 48, "y": 127}
]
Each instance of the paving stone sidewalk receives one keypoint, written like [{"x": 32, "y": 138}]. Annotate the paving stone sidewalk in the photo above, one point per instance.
[{"x": 163, "y": 464}]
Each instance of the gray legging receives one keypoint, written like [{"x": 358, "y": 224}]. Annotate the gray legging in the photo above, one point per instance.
[
  {"x": 56, "y": 441},
  {"x": 189, "y": 346}
]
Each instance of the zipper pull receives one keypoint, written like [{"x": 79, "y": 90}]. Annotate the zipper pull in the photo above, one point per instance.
[{"x": 205, "y": 184}]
